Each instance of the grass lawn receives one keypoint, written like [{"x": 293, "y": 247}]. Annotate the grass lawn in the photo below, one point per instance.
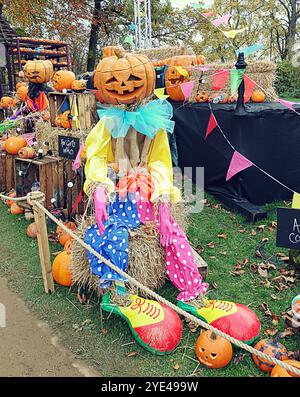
[{"x": 105, "y": 341}]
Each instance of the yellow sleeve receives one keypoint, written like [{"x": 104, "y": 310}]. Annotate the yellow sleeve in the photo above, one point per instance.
[
  {"x": 160, "y": 168},
  {"x": 98, "y": 152}
]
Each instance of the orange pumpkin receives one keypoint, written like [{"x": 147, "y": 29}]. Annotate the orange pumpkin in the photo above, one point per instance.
[
  {"x": 10, "y": 202},
  {"x": 20, "y": 84},
  {"x": 62, "y": 270},
  {"x": 233, "y": 99},
  {"x": 38, "y": 71},
  {"x": 27, "y": 153},
  {"x": 78, "y": 85},
  {"x": 124, "y": 78},
  {"x": 200, "y": 59},
  {"x": 279, "y": 372},
  {"x": 14, "y": 144},
  {"x": 22, "y": 93},
  {"x": 64, "y": 237},
  {"x": 58, "y": 120},
  {"x": 16, "y": 210},
  {"x": 258, "y": 96},
  {"x": 63, "y": 79},
  {"x": 65, "y": 121},
  {"x": 202, "y": 96},
  {"x": 213, "y": 351},
  {"x": 70, "y": 225},
  {"x": 274, "y": 349},
  {"x": 7, "y": 102},
  {"x": 68, "y": 245},
  {"x": 32, "y": 230}
]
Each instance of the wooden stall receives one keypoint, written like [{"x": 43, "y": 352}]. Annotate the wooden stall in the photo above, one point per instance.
[{"x": 7, "y": 172}]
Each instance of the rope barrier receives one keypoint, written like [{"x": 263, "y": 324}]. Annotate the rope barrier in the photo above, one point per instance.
[{"x": 33, "y": 199}]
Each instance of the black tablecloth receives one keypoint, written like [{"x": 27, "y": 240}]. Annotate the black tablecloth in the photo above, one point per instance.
[{"x": 269, "y": 136}]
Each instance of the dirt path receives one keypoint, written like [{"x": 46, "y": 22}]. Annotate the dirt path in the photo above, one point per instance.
[{"x": 27, "y": 347}]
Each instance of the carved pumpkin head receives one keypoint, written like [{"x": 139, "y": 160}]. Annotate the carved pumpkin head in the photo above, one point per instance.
[
  {"x": 109, "y": 51},
  {"x": 7, "y": 102},
  {"x": 22, "y": 93},
  {"x": 124, "y": 78},
  {"x": 213, "y": 350},
  {"x": 38, "y": 71},
  {"x": 63, "y": 79},
  {"x": 173, "y": 80},
  {"x": 78, "y": 85},
  {"x": 202, "y": 96},
  {"x": 279, "y": 372},
  {"x": 258, "y": 96},
  {"x": 274, "y": 349}
]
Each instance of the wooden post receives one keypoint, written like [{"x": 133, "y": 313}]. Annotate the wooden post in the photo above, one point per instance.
[{"x": 43, "y": 242}]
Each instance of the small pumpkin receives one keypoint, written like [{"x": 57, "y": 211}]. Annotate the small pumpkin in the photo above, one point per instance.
[
  {"x": 70, "y": 225},
  {"x": 10, "y": 202},
  {"x": 63, "y": 79},
  {"x": 279, "y": 372},
  {"x": 22, "y": 93},
  {"x": 109, "y": 51},
  {"x": 79, "y": 85},
  {"x": 65, "y": 121},
  {"x": 38, "y": 71},
  {"x": 64, "y": 237},
  {"x": 68, "y": 245},
  {"x": 16, "y": 210},
  {"x": 14, "y": 144},
  {"x": 124, "y": 78},
  {"x": 62, "y": 270},
  {"x": 213, "y": 351},
  {"x": 20, "y": 84},
  {"x": 202, "y": 96},
  {"x": 32, "y": 230},
  {"x": 7, "y": 102},
  {"x": 27, "y": 153},
  {"x": 258, "y": 96},
  {"x": 274, "y": 349},
  {"x": 58, "y": 120}
]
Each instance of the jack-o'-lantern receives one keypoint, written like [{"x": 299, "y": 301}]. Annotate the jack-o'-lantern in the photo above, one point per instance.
[
  {"x": 109, "y": 51},
  {"x": 279, "y": 372},
  {"x": 173, "y": 81},
  {"x": 22, "y": 93},
  {"x": 202, "y": 96},
  {"x": 213, "y": 351},
  {"x": 66, "y": 120},
  {"x": 61, "y": 268},
  {"x": 27, "y": 153},
  {"x": 38, "y": 71},
  {"x": 78, "y": 85},
  {"x": 274, "y": 349},
  {"x": 14, "y": 144},
  {"x": 63, "y": 79},
  {"x": 7, "y": 102},
  {"x": 258, "y": 96},
  {"x": 124, "y": 78}
]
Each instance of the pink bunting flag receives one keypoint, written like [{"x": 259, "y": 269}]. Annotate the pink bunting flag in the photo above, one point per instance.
[
  {"x": 287, "y": 104},
  {"x": 212, "y": 124},
  {"x": 238, "y": 163},
  {"x": 77, "y": 162},
  {"x": 208, "y": 14},
  {"x": 249, "y": 87},
  {"x": 29, "y": 137},
  {"x": 219, "y": 21},
  {"x": 202, "y": 68},
  {"x": 187, "y": 89},
  {"x": 219, "y": 79}
]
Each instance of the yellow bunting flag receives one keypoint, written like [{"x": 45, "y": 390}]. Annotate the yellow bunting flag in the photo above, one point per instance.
[
  {"x": 160, "y": 93},
  {"x": 296, "y": 201},
  {"x": 182, "y": 71},
  {"x": 232, "y": 33}
]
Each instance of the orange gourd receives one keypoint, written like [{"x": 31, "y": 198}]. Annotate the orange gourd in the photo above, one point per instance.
[
  {"x": 16, "y": 210},
  {"x": 27, "y": 153},
  {"x": 109, "y": 51},
  {"x": 62, "y": 270},
  {"x": 10, "y": 202},
  {"x": 20, "y": 84},
  {"x": 32, "y": 230},
  {"x": 22, "y": 93},
  {"x": 14, "y": 144},
  {"x": 279, "y": 372},
  {"x": 63, "y": 236},
  {"x": 202, "y": 96},
  {"x": 78, "y": 85},
  {"x": 213, "y": 351},
  {"x": 63, "y": 79},
  {"x": 38, "y": 71},
  {"x": 124, "y": 78},
  {"x": 258, "y": 96},
  {"x": 274, "y": 349},
  {"x": 7, "y": 102},
  {"x": 65, "y": 121}
]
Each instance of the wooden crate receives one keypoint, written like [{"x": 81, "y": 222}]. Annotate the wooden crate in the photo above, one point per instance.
[
  {"x": 7, "y": 174},
  {"x": 48, "y": 172},
  {"x": 86, "y": 107}
]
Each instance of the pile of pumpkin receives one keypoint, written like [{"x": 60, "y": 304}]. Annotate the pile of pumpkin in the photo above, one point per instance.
[
  {"x": 257, "y": 96},
  {"x": 17, "y": 145},
  {"x": 213, "y": 351},
  {"x": 14, "y": 208}
]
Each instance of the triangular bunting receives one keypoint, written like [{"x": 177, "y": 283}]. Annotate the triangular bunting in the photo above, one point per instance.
[
  {"x": 238, "y": 163},
  {"x": 230, "y": 34},
  {"x": 287, "y": 104},
  {"x": 219, "y": 79},
  {"x": 208, "y": 14},
  {"x": 249, "y": 87},
  {"x": 236, "y": 77},
  {"x": 212, "y": 124},
  {"x": 182, "y": 71},
  {"x": 296, "y": 201},
  {"x": 187, "y": 89},
  {"x": 219, "y": 21},
  {"x": 160, "y": 93},
  {"x": 250, "y": 50}
]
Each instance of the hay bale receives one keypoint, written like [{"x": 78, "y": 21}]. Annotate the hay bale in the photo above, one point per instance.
[
  {"x": 159, "y": 54},
  {"x": 263, "y": 73}
]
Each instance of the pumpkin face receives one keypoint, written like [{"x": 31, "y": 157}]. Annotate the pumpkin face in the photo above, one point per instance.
[
  {"x": 279, "y": 372},
  {"x": 61, "y": 269},
  {"x": 32, "y": 230},
  {"x": 63, "y": 79},
  {"x": 22, "y": 93},
  {"x": 274, "y": 349},
  {"x": 173, "y": 80},
  {"x": 202, "y": 96},
  {"x": 124, "y": 78},
  {"x": 258, "y": 96},
  {"x": 109, "y": 51},
  {"x": 7, "y": 102},
  {"x": 78, "y": 85},
  {"x": 27, "y": 153},
  {"x": 213, "y": 350},
  {"x": 38, "y": 71},
  {"x": 14, "y": 144},
  {"x": 16, "y": 210}
]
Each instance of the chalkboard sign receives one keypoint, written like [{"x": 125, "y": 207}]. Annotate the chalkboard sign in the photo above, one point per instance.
[
  {"x": 288, "y": 228},
  {"x": 68, "y": 146}
]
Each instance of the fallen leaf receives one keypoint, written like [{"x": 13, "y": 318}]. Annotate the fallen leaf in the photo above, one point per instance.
[
  {"x": 274, "y": 224},
  {"x": 287, "y": 332},
  {"x": 275, "y": 319},
  {"x": 217, "y": 206},
  {"x": 237, "y": 273},
  {"x": 199, "y": 249},
  {"x": 223, "y": 236},
  {"x": 281, "y": 287},
  {"x": 176, "y": 366},
  {"x": 258, "y": 254},
  {"x": 275, "y": 298},
  {"x": 253, "y": 233},
  {"x": 265, "y": 308},
  {"x": 261, "y": 228},
  {"x": 211, "y": 244},
  {"x": 131, "y": 354},
  {"x": 104, "y": 331},
  {"x": 223, "y": 253},
  {"x": 242, "y": 230},
  {"x": 266, "y": 283},
  {"x": 262, "y": 272},
  {"x": 214, "y": 285},
  {"x": 253, "y": 267},
  {"x": 265, "y": 239}
]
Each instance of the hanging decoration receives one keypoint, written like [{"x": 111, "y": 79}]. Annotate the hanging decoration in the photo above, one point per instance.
[
  {"x": 221, "y": 20},
  {"x": 250, "y": 50},
  {"x": 230, "y": 34},
  {"x": 236, "y": 77},
  {"x": 212, "y": 124},
  {"x": 238, "y": 163},
  {"x": 187, "y": 89},
  {"x": 219, "y": 79}
]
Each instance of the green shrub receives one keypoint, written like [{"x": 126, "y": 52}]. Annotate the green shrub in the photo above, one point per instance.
[{"x": 288, "y": 80}]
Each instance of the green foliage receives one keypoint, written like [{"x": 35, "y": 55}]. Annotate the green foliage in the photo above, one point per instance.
[{"x": 288, "y": 80}]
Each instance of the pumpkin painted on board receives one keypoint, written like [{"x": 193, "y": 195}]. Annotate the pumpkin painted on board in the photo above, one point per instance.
[
  {"x": 14, "y": 144},
  {"x": 213, "y": 351},
  {"x": 62, "y": 270},
  {"x": 63, "y": 80},
  {"x": 38, "y": 71},
  {"x": 274, "y": 349},
  {"x": 279, "y": 372},
  {"x": 124, "y": 78}
]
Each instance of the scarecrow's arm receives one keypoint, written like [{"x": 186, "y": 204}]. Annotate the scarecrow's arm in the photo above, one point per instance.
[
  {"x": 160, "y": 168},
  {"x": 98, "y": 151}
]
